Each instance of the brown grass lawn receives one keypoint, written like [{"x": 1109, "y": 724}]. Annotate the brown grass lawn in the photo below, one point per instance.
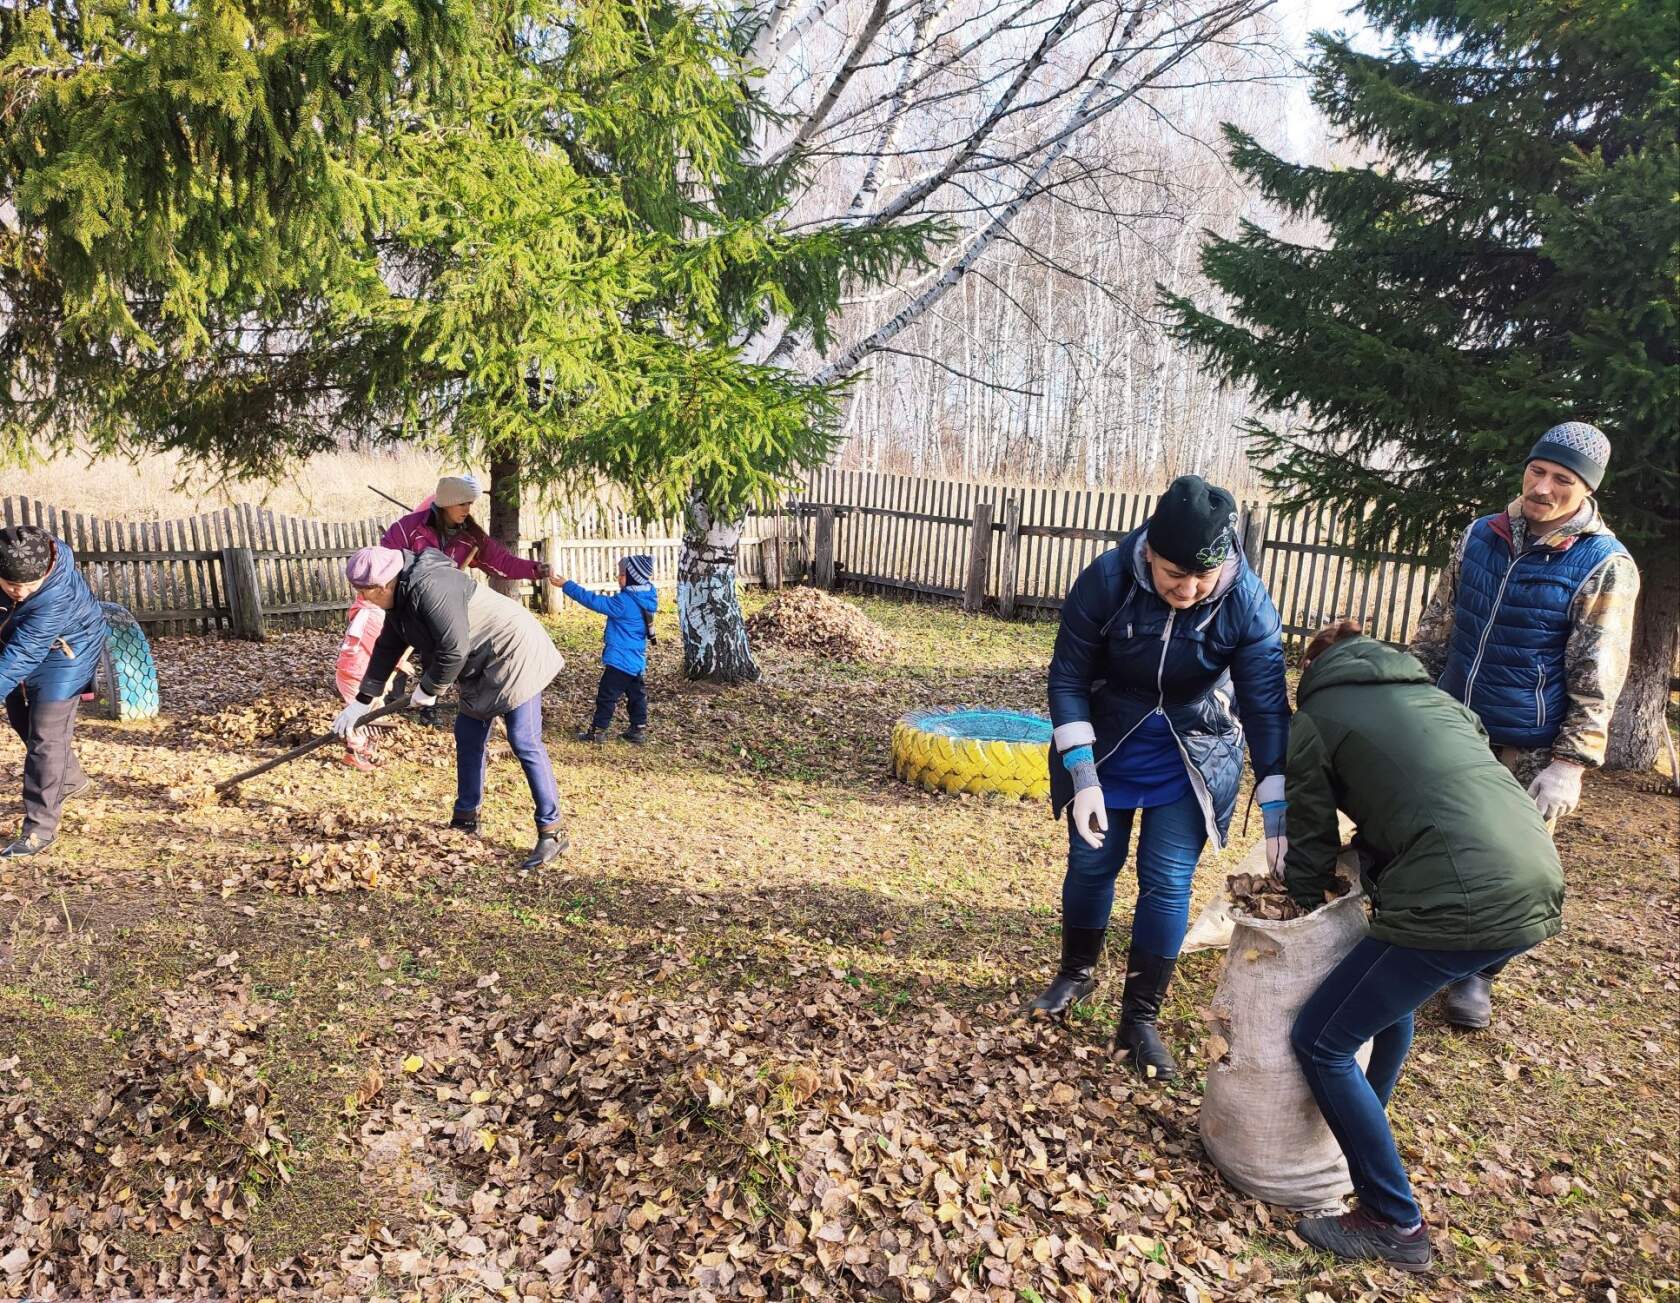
[{"x": 754, "y": 1037}]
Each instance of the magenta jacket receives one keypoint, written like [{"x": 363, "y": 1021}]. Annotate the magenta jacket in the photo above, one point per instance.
[{"x": 417, "y": 531}]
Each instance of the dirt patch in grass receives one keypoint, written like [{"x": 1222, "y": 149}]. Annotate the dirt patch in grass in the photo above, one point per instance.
[{"x": 749, "y": 895}]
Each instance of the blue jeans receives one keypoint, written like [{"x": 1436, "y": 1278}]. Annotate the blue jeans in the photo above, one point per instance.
[
  {"x": 1168, "y": 847},
  {"x": 472, "y": 758},
  {"x": 1370, "y": 996}
]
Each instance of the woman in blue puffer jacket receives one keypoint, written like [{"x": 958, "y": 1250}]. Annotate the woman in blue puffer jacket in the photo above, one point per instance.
[
  {"x": 1157, "y": 636},
  {"x": 52, "y": 631}
]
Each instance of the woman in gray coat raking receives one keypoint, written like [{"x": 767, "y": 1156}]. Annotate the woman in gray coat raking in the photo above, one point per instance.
[{"x": 466, "y": 635}]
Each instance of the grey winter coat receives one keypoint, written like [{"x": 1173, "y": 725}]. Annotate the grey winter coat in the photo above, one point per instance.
[{"x": 464, "y": 633}]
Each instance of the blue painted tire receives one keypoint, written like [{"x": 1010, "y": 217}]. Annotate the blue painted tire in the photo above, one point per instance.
[{"x": 128, "y": 682}]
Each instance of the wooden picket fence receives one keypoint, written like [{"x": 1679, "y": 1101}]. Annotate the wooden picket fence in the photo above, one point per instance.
[
  {"x": 241, "y": 570},
  {"x": 245, "y": 570},
  {"x": 1018, "y": 548},
  {"x": 1013, "y": 548}
]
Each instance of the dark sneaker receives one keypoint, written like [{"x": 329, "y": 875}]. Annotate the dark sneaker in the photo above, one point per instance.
[
  {"x": 81, "y": 788},
  {"x": 589, "y": 735},
  {"x": 428, "y": 715},
  {"x": 638, "y": 736},
  {"x": 549, "y": 846},
  {"x": 467, "y": 823},
  {"x": 23, "y": 846},
  {"x": 1360, "y": 1237}
]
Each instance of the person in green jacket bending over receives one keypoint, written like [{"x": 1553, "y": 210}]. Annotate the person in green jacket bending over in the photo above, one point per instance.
[{"x": 1460, "y": 872}]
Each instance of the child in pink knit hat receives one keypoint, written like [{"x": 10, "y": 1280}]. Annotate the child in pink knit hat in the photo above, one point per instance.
[{"x": 370, "y": 565}]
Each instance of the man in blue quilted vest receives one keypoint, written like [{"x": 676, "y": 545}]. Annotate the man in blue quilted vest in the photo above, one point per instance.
[{"x": 1531, "y": 628}]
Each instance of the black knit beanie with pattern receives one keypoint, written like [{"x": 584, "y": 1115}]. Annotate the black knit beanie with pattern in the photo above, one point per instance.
[
  {"x": 25, "y": 553},
  {"x": 1194, "y": 525}
]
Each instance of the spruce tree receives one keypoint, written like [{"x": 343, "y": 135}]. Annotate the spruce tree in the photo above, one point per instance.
[
  {"x": 1508, "y": 260},
  {"x": 540, "y": 260}
]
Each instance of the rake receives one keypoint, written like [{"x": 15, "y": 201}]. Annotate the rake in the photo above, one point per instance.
[{"x": 303, "y": 750}]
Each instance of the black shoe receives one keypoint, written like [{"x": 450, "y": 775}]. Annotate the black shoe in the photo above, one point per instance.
[
  {"x": 26, "y": 845},
  {"x": 550, "y": 845},
  {"x": 1147, "y": 979},
  {"x": 1076, "y": 978},
  {"x": 428, "y": 715},
  {"x": 1358, "y": 1236},
  {"x": 80, "y": 789},
  {"x": 467, "y": 823},
  {"x": 635, "y": 736},
  {"x": 1469, "y": 1002},
  {"x": 589, "y": 735}
]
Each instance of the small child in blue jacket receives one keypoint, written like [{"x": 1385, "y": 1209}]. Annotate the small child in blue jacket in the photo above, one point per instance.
[{"x": 629, "y": 615}]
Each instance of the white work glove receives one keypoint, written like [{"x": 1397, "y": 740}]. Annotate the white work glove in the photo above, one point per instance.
[
  {"x": 420, "y": 698},
  {"x": 1273, "y": 815},
  {"x": 1090, "y": 809},
  {"x": 344, "y": 723},
  {"x": 1557, "y": 791}
]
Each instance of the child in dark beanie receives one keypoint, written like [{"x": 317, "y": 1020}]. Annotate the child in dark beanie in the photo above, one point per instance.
[
  {"x": 52, "y": 631},
  {"x": 629, "y": 629}
]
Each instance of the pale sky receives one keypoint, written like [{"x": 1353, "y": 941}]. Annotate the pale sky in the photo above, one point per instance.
[{"x": 1300, "y": 18}]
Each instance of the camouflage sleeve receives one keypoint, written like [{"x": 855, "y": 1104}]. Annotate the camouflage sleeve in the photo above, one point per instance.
[
  {"x": 1434, "y": 627},
  {"x": 1596, "y": 659}
]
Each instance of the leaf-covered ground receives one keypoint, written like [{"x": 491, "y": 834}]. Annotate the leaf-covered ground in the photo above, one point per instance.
[{"x": 754, "y": 1037}]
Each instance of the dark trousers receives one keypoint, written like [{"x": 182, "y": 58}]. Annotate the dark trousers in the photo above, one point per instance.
[
  {"x": 615, "y": 683},
  {"x": 50, "y": 768},
  {"x": 1371, "y": 996},
  {"x": 472, "y": 759}
]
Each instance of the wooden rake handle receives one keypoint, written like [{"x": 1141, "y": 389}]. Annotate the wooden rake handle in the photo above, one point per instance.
[{"x": 307, "y": 747}]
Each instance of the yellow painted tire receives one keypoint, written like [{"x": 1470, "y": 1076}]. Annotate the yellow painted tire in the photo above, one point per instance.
[{"x": 941, "y": 762}]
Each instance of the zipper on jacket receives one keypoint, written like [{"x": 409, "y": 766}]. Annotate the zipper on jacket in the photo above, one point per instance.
[
  {"x": 1160, "y": 695},
  {"x": 1540, "y": 698},
  {"x": 1197, "y": 784},
  {"x": 1487, "y": 630}
]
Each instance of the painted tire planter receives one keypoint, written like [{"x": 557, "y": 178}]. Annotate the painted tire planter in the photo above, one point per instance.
[
  {"x": 1001, "y": 751},
  {"x": 127, "y": 682}
]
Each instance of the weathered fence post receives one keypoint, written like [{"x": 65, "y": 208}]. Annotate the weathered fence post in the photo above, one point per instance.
[
  {"x": 1007, "y": 553},
  {"x": 1254, "y": 534},
  {"x": 822, "y": 564},
  {"x": 239, "y": 573},
  {"x": 771, "y": 562},
  {"x": 979, "y": 557}
]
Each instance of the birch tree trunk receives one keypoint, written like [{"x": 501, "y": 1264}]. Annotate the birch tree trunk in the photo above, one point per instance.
[
  {"x": 1641, "y": 719},
  {"x": 714, "y": 633}
]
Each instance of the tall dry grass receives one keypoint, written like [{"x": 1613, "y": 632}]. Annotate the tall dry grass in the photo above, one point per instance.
[{"x": 332, "y": 486}]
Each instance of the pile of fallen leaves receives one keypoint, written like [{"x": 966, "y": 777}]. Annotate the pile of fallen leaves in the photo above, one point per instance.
[
  {"x": 1260, "y": 895},
  {"x": 809, "y": 620},
  {"x": 766, "y": 1144},
  {"x": 330, "y": 851},
  {"x": 150, "y": 1184},
  {"x": 202, "y": 673},
  {"x": 285, "y": 721}
]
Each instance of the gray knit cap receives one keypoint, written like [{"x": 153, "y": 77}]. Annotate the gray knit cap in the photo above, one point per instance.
[
  {"x": 1576, "y": 446},
  {"x": 638, "y": 567}
]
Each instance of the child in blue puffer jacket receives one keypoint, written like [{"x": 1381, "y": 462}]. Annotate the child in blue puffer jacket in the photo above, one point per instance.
[{"x": 629, "y": 615}]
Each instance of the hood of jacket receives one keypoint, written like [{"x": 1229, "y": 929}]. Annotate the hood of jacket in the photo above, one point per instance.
[{"x": 1360, "y": 659}]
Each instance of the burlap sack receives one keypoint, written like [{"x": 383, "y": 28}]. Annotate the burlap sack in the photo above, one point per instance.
[{"x": 1260, "y": 1124}]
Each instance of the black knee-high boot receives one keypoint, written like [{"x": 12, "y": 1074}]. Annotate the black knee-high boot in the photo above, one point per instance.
[
  {"x": 1076, "y": 978},
  {"x": 1147, "y": 979}
]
